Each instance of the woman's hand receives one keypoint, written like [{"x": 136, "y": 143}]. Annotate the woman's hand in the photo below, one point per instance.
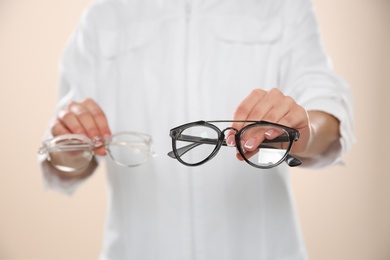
[
  {"x": 85, "y": 118},
  {"x": 317, "y": 129}
]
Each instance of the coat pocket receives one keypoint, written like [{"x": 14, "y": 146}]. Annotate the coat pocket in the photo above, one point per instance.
[{"x": 114, "y": 43}]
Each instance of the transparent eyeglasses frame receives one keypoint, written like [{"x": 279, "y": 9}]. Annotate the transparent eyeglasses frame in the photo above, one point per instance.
[{"x": 81, "y": 143}]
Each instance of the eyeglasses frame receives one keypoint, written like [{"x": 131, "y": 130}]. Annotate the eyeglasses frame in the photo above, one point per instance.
[
  {"x": 293, "y": 135},
  {"x": 98, "y": 142}
]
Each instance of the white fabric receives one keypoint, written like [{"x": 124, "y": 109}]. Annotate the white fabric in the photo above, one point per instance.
[{"x": 156, "y": 64}]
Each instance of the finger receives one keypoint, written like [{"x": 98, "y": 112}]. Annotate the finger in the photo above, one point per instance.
[
  {"x": 99, "y": 117},
  {"x": 252, "y": 137},
  {"x": 85, "y": 119},
  {"x": 78, "y": 120},
  {"x": 248, "y": 155},
  {"x": 57, "y": 128},
  {"x": 245, "y": 109},
  {"x": 273, "y": 132},
  {"x": 95, "y": 122},
  {"x": 70, "y": 121},
  {"x": 296, "y": 118},
  {"x": 281, "y": 106},
  {"x": 274, "y": 106}
]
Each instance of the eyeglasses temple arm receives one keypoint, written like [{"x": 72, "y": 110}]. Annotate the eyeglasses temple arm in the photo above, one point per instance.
[
  {"x": 59, "y": 148},
  {"x": 181, "y": 151},
  {"x": 292, "y": 161},
  {"x": 196, "y": 142}
]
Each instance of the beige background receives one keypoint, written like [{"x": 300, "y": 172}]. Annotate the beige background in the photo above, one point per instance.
[{"x": 345, "y": 211}]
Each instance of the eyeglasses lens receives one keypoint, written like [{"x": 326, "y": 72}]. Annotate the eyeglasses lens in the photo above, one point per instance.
[
  {"x": 129, "y": 149},
  {"x": 197, "y": 143},
  {"x": 70, "y": 155},
  {"x": 264, "y": 150}
]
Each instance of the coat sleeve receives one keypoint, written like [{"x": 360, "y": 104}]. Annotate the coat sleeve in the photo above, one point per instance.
[
  {"x": 77, "y": 82},
  {"x": 306, "y": 74}
]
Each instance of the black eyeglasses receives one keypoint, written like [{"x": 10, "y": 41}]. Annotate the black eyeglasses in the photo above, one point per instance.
[{"x": 195, "y": 143}]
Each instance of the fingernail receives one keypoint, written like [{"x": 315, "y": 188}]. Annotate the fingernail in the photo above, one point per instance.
[
  {"x": 97, "y": 141},
  {"x": 269, "y": 132},
  {"x": 230, "y": 141},
  {"x": 249, "y": 144}
]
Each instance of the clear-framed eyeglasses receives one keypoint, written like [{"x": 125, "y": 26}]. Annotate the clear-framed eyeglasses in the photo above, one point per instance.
[
  {"x": 73, "y": 152},
  {"x": 198, "y": 142}
]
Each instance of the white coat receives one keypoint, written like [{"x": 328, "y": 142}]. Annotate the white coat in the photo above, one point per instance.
[{"x": 155, "y": 64}]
